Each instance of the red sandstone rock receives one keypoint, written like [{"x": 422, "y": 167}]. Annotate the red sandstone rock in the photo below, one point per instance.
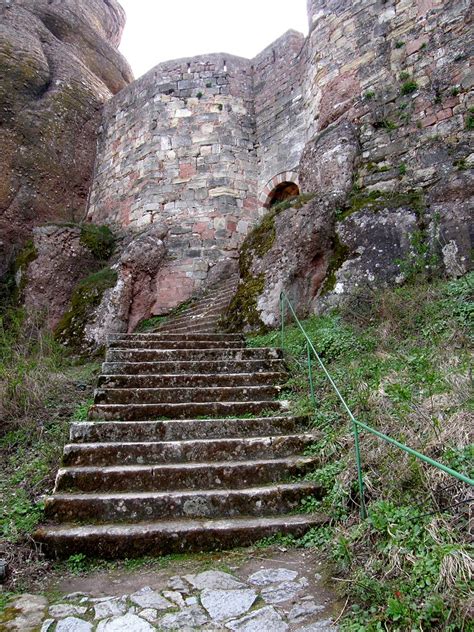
[{"x": 58, "y": 65}]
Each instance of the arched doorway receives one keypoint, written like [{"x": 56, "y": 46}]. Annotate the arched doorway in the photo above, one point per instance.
[
  {"x": 282, "y": 192},
  {"x": 281, "y": 187}
]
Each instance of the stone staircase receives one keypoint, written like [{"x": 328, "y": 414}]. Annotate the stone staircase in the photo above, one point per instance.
[{"x": 188, "y": 447}]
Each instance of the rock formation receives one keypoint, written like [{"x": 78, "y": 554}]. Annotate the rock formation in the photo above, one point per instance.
[
  {"x": 369, "y": 118},
  {"x": 58, "y": 66}
]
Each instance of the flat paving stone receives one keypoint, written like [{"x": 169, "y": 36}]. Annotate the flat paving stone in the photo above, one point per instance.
[
  {"x": 113, "y": 607},
  {"x": 174, "y": 596},
  {"x": 29, "y": 613},
  {"x": 215, "y": 580},
  {"x": 127, "y": 623},
  {"x": 266, "y": 619},
  {"x": 149, "y": 614},
  {"x": 226, "y": 604},
  {"x": 148, "y": 598},
  {"x": 272, "y": 576},
  {"x": 303, "y": 610},
  {"x": 284, "y": 591},
  {"x": 63, "y": 610},
  {"x": 192, "y": 617},
  {"x": 73, "y": 624}
]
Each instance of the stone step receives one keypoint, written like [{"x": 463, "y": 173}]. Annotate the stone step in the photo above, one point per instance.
[
  {"x": 196, "y": 328},
  {"x": 197, "y": 450},
  {"x": 174, "y": 476},
  {"x": 177, "y": 355},
  {"x": 216, "y": 380},
  {"x": 165, "y": 336},
  {"x": 214, "y": 503},
  {"x": 139, "y": 412},
  {"x": 184, "y": 429},
  {"x": 110, "y": 541},
  {"x": 176, "y": 344},
  {"x": 213, "y": 312},
  {"x": 186, "y": 394},
  {"x": 198, "y": 366}
]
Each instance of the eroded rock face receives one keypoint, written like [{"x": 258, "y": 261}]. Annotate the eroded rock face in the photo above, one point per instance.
[
  {"x": 61, "y": 261},
  {"x": 58, "y": 66},
  {"x": 130, "y": 300}
]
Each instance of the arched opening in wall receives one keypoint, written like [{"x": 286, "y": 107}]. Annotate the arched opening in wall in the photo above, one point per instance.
[{"x": 282, "y": 192}]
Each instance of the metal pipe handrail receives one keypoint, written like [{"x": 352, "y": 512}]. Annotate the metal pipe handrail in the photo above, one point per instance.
[{"x": 355, "y": 423}]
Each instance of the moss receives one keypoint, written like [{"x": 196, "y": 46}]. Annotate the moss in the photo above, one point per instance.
[
  {"x": 340, "y": 254},
  {"x": 242, "y": 310},
  {"x": 14, "y": 281},
  {"x": 99, "y": 239},
  {"x": 376, "y": 201},
  {"x": 259, "y": 241},
  {"x": 86, "y": 296}
]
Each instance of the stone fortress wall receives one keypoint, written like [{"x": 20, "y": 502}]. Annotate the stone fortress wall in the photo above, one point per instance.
[{"x": 199, "y": 144}]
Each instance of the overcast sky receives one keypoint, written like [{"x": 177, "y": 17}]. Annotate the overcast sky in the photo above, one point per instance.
[{"x": 158, "y": 30}]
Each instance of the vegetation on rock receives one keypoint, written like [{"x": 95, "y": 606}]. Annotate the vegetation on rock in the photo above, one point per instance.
[
  {"x": 99, "y": 239},
  {"x": 402, "y": 360},
  {"x": 86, "y": 296},
  {"x": 242, "y": 310}
]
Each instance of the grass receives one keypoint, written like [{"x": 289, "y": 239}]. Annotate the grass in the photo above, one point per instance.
[
  {"x": 42, "y": 388},
  {"x": 401, "y": 358}
]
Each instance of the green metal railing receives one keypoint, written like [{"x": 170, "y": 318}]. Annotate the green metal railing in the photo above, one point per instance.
[{"x": 356, "y": 425}]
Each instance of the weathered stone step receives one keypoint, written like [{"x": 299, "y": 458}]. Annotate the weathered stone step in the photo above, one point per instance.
[
  {"x": 197, "y": 450},
  {"x": 216, "y": 380},
  {"x": 214, "y": 503},
  {"x": 186, "y": 394},
  {"x": 174, "y": 476},
  {"x": 171, "y": 536},
  {"x": 198, "y": 316},
  {"x": 165, "y": 336},
  {"x": 177, "y": 355},
  {"x": 197, "y": 366},
  {"x": 184, "y": 429},
  {"x": 138, "y": 412},
  {"x": 176, "y": 344}
]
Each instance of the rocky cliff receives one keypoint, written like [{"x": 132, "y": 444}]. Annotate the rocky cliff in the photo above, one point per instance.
[{"x": 58, "y": 65}]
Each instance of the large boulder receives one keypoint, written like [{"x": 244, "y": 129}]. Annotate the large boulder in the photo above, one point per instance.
[{"x": 58, "y": 66}]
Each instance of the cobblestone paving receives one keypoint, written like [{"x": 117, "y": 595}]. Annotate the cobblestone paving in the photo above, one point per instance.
[{"x": 274, "y": 598}]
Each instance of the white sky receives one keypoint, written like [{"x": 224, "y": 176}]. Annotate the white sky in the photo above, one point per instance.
[{"x": 159, "y": 30}]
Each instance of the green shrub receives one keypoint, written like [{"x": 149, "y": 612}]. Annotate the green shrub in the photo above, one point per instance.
[{"x": 99, "y": 240}]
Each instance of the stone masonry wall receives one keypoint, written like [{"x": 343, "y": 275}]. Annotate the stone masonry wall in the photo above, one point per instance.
[
  {"x": 279, "y": 109},
  {"x": 178, "y": 147},
  {"x": 198, "y": 144}
]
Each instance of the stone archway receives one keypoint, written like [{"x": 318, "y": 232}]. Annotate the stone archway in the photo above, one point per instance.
[{"x": 281, "y": 187}]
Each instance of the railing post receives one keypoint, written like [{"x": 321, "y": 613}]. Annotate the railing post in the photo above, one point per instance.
[
  {"x": 310, "y": 374},
  {"x": 363, "y": 510},
  {"x": 282, "y": 318}
]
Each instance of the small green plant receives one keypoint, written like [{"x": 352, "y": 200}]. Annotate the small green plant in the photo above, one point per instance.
[
  {"x": 399, "y": 44},
  {"x": 208, "y": 84},
  {"x": 404, "y": 75},
  {"x": 402, "y": 169},
  {"x": 424, "y": 46},
  {"x": 455, "y": 91},
  {"x": 369, "y": 95},
  {"x": 199, "y": 95},
  {"x": 470, "y": 119},
  {"x": 99, "y": 239},
  {"x": 389, "y": 125},
  {"x": 77, "y": 564},
  {"x": 220, "y": 107},
  {"x": 408, "y": 87}
]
